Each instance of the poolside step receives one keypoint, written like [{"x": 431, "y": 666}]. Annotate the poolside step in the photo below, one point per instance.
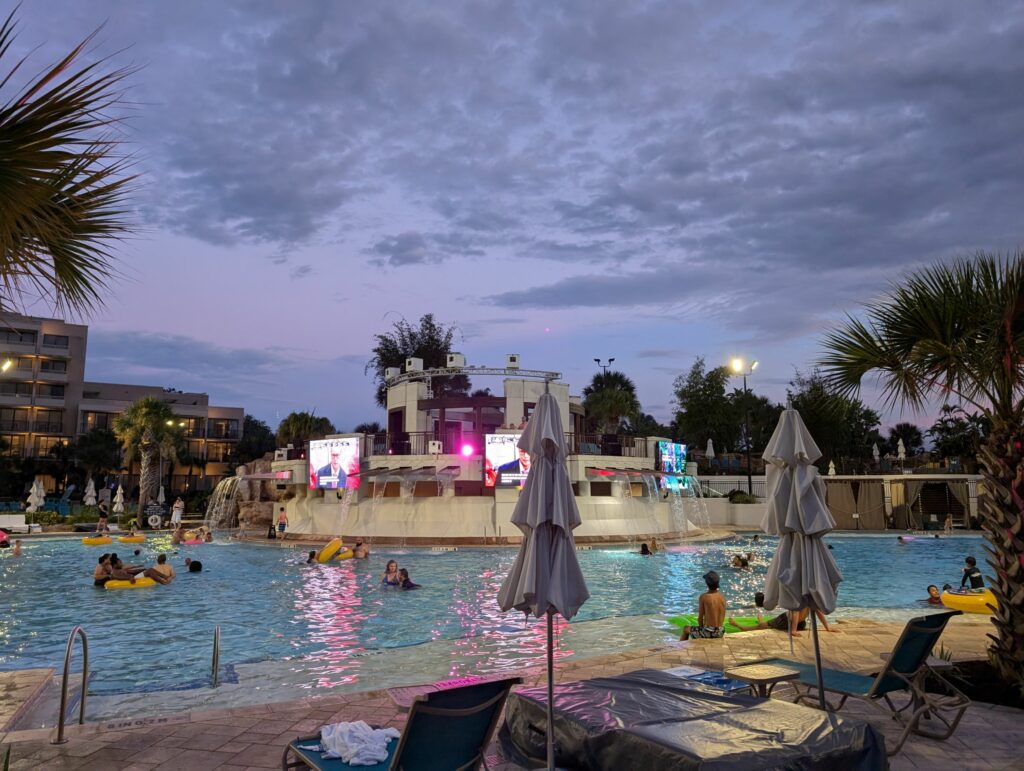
[
  {"x": 19, "y": 690},
  {"x": 43, "y": 709}
]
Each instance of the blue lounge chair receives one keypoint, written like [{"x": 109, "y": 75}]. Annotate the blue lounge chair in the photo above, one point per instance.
[
  {"x": 905, "y": 670},
  {"x": 445, "y": 729}
]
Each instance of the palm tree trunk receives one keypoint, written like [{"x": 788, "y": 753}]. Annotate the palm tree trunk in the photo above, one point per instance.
[
  {"x": 1004, "y": 528},
  {"x": 149, "y": 478}
]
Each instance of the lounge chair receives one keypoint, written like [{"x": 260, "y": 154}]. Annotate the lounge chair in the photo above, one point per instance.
[
  {"x": 445, "y": 729},
  {"x": 905, "y": 670}
]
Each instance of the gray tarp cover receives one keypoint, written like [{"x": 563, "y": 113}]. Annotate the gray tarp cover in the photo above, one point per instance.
[{"x": 652, "y": 719}]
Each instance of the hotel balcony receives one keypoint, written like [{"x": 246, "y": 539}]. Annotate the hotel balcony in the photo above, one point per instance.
[
  {"x": 48, "y": 428},
  {"x": 52, "y": 377},
  {"x": 48, "y": 401},
  {"x": 16, "y": 400},
  {"x": 14, "y": 425}
]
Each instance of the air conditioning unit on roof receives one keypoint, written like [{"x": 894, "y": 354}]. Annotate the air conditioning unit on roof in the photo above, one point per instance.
[
  {"x": 391, "y": 372},
  {"x": 456, "y": 360},
  {"x": 413, "y": 364},
  {"x": 512, "y": 361}
]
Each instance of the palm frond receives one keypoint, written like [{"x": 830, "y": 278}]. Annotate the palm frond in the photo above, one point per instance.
[{"x": 63, "y": 181}]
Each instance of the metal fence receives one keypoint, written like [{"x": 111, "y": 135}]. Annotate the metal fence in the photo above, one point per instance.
[{"x": 726, "y": 485}]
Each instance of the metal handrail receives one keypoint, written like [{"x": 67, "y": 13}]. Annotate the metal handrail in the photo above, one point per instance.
[
  {"x": 216, "y": 656},
  {"x": 77, "y": 631}
]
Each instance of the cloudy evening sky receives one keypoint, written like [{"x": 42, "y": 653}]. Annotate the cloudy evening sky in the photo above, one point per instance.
[{"x": 570, "y": 180}]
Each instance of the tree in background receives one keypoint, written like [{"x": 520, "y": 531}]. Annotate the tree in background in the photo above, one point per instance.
[
  {"x": 610, "y": 401},
  {"x": 63, "y": 184},
  {"x": 912, "y": 436},
  {"x": 764, "y": 416},
  {"x": 841, "y": 425},
  {"x": 298, "y": 428},
  {"x": 97, "y": 452},
  {"x": 372, "y": 427},
  {"x": 257, "y": 440},
  {"x": 646, "y": 425},
  {"x": 149, "y": 430},
  {"x": 959, "y": 434},
  {"x": 430, "y": 341},
  {"x": 958, "y": 330},
  {"x": 703, "y": 410}
]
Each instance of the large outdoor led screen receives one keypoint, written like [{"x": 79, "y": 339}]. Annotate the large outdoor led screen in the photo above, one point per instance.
[
  {"x": 504, "y": 464},
  {"x": 671, "y": 458},
  {"x": 334, "y": 463}
]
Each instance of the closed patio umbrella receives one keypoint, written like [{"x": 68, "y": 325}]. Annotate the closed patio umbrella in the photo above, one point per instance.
[
  {"x": 89, "y": 498},
  {"x": 709, "y": 452},
  {"x": 874, "y": 452},
  {"x": 546, "y": 577},
  {"x": 118, "y": 507},
  {"x": 803, "y": 573},
  {"x": 160, "y": 497}
]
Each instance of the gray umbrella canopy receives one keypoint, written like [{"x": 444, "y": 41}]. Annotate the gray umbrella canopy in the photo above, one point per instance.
[
  {"x": 803, "y": 573},
  {"x": 546, "y": 576}
]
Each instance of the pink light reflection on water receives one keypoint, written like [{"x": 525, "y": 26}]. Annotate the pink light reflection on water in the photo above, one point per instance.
[{"x": 329, "y": 600}]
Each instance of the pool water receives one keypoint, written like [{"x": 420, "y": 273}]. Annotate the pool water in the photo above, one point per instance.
[{"x": 296, "y": 626}]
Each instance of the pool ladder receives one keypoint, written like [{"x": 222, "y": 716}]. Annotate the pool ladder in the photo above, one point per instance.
[{"x": 76, "y": 632}]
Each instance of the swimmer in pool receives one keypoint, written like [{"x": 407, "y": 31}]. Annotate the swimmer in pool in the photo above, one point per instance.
[
  {"x": 934, "y": 598},
  {"x": 360, "y": 551},
  {"x": 101, "y": 573},
  {"x": 311, "y": 558},
  {"x": 403, "y": 575},
  {"x": 390, "y": 577}
]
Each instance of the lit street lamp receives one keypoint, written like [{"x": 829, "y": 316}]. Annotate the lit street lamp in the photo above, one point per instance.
[
  {"x": 605, "y": 366},
  {"x": 739, "y": 367}
]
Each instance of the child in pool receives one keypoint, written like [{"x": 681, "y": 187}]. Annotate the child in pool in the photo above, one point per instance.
[
  {"x": 390, "y": 577},
  {"x": 403, "y": 574}
]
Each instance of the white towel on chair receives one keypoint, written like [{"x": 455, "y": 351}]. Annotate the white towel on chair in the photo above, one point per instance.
[{"x": 356, "y": 743}]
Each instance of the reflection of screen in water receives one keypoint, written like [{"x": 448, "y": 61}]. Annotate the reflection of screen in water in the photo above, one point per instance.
[
  {"x": 334, "y": 463},
  {"x": 504, "y": 466}
]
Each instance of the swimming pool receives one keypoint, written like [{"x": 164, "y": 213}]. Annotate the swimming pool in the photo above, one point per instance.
[{"x": 288, "y": 626}]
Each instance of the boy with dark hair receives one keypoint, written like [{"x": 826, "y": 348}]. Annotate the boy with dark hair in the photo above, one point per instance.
[
  {"x": 972, "y": 574},
  {"x": 710, "y": 612}
]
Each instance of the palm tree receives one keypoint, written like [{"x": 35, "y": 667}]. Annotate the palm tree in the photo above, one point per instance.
[
  {"x": 372, "y": 427},
  {"x": 610, "y": 397},
  {"x": 297, "y": 428},
  {"x": 958, "y": 330},
  {"x": 62, "y": 184},
  {"x": 149, "y": 430},
  {"x": 97, "y": 451}
]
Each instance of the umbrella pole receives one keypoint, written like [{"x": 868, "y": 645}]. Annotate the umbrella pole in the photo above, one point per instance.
[
  {"x": 551, "y": 693},
  {"x": 817, "y": 658}
]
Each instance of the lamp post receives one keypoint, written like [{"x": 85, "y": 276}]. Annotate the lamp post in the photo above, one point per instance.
[
  {"x": 739, "y": 367},
  {"x": 605, "y": 367}
]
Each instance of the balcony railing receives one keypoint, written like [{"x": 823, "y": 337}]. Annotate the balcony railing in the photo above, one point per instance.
[
  {"x": 222, "y": 434},
  {"x": 47, "y": 427},
  {"x": 13, "y": 425},
  {"x": 453, "y": 442}
]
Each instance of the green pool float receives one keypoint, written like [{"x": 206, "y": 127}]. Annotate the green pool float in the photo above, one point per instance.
[{"x": 743, "y": 623}]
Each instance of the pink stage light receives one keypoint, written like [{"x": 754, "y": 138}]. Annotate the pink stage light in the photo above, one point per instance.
[{"x": 467, "y": 450}]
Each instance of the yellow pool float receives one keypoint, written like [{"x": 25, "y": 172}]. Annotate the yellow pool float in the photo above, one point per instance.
[
  {"x": 100, "y": 540},
  {"x": 971, "y": 602},
  {"x": 132, "y": 538},
  {"x": 139, "y": 583},
  {"x": 334, "y": 549}
]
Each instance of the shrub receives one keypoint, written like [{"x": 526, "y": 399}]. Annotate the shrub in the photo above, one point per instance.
[
  {"x": 739, "y": 496},
  {"x": 85, "y": 514},
  {"x": 44, "y": 517}
]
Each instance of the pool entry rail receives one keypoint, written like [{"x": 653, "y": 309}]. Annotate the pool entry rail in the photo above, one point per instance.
[
  {"x": 216, "y": 656},
  {"x": 76, "y": 632}
]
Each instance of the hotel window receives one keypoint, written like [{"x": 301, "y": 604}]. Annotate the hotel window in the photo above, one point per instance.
[
  {"x": 53, "y": 365},
  {"x": 223, "y": 428},
  {"x": 55, "y": 341},
  {"x": 23, "y": 363},
  {"x": 12, "y": 445},
  {"x": 193, "y": 427},
  {"x": 13, "y": 420},
  {"x": 216, "y": 452},
  {"x": 91, "y": 420},
  {"x": 48, "y": 420},
  {"x": 18, "y": 336},
  {"x": 15, "y": 389},
  {"x": 47, "y": 391},
  {"x": 195, "y": 449},
  {"x": 45, "y": 444}
]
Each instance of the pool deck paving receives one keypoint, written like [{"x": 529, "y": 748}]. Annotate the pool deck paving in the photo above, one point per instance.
[{"x": 253, "y": 737}]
